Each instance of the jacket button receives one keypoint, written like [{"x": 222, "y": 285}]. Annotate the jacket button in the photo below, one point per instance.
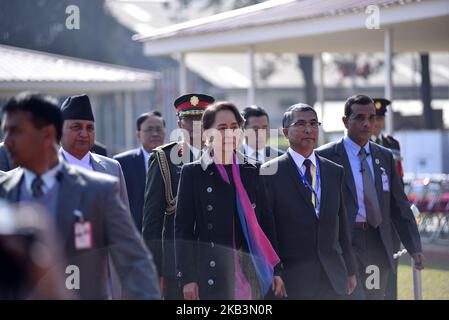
[
  {"x": 209, "y": 208},
  {"x": 209, "y": 189},
  {"x": 211, "y": 173},
  {"x": 212, "y": 264},
  {"x": 210, "y": 282},
  {"x": 210, "y": 226}
]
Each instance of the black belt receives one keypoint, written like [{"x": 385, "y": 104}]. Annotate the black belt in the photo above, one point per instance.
[{"x": 362, "y": 225}]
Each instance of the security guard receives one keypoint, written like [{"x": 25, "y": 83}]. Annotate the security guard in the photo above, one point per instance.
[
  {"x": 164, "y": 170},
  {"x": 391, "y": 143}
]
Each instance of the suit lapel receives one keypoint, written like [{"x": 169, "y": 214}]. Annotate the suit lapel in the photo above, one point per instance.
[
  {"x": 292, "y": 172},
  {"x": 12, "y": 185},
  {"x": 69, "y": 198},
  {"x": 324, "y": 175},
  {"x": 141, "y": 171},
  {"x": 96, "y": 164},
  {"x": 377, "y": 172},
  {"x": 344, "y": 160}
]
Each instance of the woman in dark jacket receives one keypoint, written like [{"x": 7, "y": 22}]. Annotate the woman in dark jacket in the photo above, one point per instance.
[{"x": 221, "y": 234}]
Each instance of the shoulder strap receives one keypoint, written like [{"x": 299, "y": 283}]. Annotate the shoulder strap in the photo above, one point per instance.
[{"x": 166, "y": 176}]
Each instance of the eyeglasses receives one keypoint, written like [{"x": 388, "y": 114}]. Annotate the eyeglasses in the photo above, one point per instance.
[
  {"x": 157, "y": 130},
  {"x": 301, "y": 124}
]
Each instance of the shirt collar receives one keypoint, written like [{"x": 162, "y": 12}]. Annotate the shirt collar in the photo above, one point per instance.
[
  {"x": 84, "y": 162},
  {"x": 353, "y": 147},
  {"x": 49, "y": 177},
  {"x": 196, "y": 152},
  {"x": 299, "y": 159},
  {"x": 146, "y": 155}
]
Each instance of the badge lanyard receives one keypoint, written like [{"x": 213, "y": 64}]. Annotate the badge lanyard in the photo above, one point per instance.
[{"x": 307, "y": 184}]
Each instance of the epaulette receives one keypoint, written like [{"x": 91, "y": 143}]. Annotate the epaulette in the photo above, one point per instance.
[
  {"x": 166, "y": 146},
  {"x": 388, "y": 137}
]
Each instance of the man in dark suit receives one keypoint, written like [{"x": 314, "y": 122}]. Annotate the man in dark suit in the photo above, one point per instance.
[
  {"x": 257, "y": 133},
  {"x": 85, "y": 206},
  {"x": 151, "y": 134},
  {"x": 312, "y": 234},
  {"x": 374, "y": 199},
  {"x": 162, "y": 186}
]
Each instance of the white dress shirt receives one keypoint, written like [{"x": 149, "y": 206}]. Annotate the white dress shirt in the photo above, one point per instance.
[
  {"x": 353, "y": 149},
  {"x": 299, "y": 161},
  {"x": 48, "y": 178},
  {"x": 146, "y": 156},
  {"x": 84, "y": 162}
]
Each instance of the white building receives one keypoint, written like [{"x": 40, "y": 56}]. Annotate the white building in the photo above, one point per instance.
[{"x": 118, "y": 94}]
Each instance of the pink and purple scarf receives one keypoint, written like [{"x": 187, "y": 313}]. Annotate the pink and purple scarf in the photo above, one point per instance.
[{"x": 262, "y": 253}]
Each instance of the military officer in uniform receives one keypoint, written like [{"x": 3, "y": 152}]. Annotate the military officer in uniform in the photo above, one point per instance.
[
  {"x": 391, "y": 143},
  {"x": 383, "y": 139},
  {"x": 161, "y": 188}
]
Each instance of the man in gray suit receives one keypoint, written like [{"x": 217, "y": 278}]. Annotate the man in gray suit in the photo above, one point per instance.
[
  {"x": 78, "y": 137},
  {"x": 85, "y": 206},
  {"x": 374, "y": 199}
]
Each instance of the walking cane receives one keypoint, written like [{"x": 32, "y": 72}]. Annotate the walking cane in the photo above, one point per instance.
[{"x": 417, "y": 288}]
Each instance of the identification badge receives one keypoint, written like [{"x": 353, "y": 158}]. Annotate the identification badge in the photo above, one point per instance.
[
  {"x": 83, "y": 235},
  {"x": 83, "y": 232},
  {"x": 385, "y": 181}
]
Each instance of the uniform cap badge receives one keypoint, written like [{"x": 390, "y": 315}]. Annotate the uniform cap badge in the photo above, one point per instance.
[{"x": 194, "y": 100}]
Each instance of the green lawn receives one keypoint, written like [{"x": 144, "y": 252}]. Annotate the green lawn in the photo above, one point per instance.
[{"x": 435, "y": 280}]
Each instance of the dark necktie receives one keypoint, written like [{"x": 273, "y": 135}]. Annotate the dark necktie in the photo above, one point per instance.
[
  {"x": 373, "y": 215},
  {"x": 307, "y": 163},
  {"x": 36, "y": 187}
]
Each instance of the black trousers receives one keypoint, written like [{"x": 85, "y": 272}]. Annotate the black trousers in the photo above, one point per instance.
[
  {"x": 372, "y": 263},
  {"x": 320, "y": 289}
]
